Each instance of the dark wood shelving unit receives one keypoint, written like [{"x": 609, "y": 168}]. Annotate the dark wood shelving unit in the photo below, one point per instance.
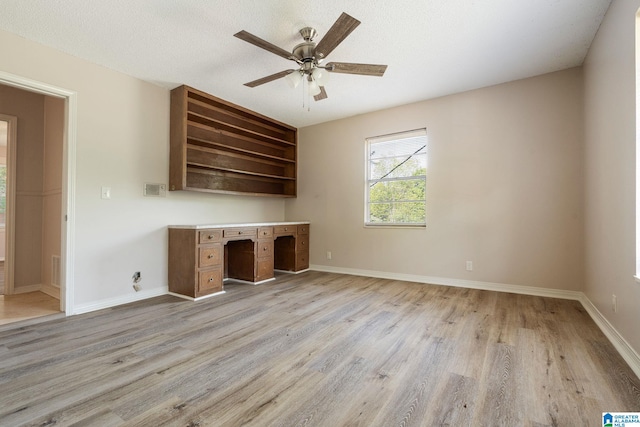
[{"x": 220, "y": 147}]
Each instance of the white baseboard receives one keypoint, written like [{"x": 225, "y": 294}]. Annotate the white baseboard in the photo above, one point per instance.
[
  {"x": 626, "y": 351},
  {"x": 26, "y": 289},
  {"x": 248, "y": 282},
  {"x": 621, "y": 345},
  {"x": 291, "y": 272},
  {"x": 459, "y": 283},
  {"x": 195, "y": 299},
  {"x": 125, "y": 299},
  {"x": 51, "y": 290}
]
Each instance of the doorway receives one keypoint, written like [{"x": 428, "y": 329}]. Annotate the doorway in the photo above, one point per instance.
[{"x": 49, "y": 206}]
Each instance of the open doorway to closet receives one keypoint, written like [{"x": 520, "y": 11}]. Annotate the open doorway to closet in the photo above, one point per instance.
[{"x": 30, "y": 203}]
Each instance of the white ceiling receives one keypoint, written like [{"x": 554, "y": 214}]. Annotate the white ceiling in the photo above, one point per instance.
[{"x": 432, "y": 47}]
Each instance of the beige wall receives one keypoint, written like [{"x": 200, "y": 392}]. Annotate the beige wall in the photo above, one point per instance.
[
  {"x": 122, "y": 142},
  {"x": 610, "y": 170},
  {"x": 504, "y": 187},
  {"x": 29, "y": 108}
]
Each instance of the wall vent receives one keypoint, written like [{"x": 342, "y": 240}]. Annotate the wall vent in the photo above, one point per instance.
[
  {"x": 55, "y": 271},
  {"x": 155, "y": 190}
]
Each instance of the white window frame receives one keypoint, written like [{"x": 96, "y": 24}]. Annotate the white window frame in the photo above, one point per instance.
[{"x": 422, "y": 132}]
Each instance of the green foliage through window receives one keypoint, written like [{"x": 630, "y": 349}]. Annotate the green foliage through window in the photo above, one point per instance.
[{"x": 396, "y": 179}]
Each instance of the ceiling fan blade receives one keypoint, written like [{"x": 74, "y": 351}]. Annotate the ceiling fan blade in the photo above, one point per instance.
[
  {"x": 340, "y": 29},
  {"x": 257, "y": 41},
  {"x": 268, "y": 79},
  {"x": 322, "y": 95},
  {"x": 351, "y": 68}
]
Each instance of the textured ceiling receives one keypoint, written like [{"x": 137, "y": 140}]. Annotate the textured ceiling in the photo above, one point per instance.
[{"x": 432, "y": 47}]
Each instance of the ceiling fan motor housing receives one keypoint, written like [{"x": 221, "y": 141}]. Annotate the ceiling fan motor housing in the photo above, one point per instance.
[{"x": 304, "y": 53}]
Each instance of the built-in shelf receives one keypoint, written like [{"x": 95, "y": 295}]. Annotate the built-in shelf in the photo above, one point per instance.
[{"x": 219, "y": 147}]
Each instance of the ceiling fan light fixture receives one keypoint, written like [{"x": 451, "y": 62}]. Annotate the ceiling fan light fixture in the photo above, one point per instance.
[
  {"x": 293, "y": 79},
  {"x": 321, "y": 76},
  {"x": 314, "y": 88}
]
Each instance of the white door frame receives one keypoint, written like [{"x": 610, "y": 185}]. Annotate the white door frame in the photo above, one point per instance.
[
  {"x": 68, "y": 179},
  {"x": 10, "y": 205}
]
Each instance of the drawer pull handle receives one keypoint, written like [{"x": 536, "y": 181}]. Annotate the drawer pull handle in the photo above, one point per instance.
[
  {"x": 264, "y": 249},
  {"x": 239, "y": 232},
  {"x": 303, "y": 243},
  {"x": 286, "y": 229},
  {"x": 210, "y": 256},
  {"x": 210, "y": 279},
  {"x": 210, "y": 236}
]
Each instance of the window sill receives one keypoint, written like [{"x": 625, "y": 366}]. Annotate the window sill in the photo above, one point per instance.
[
  {"x": 401, "y": 226},
  {"x": 637, "y": 279}
]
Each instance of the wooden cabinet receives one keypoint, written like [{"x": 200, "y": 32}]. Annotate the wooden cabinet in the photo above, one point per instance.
[
  {"x": 200, "y": 259},
  {"x": 302, "y": 248},
  {"x": 217, "y": 146},
  {"x": 264, "y": 255},
  {"x": 195, "y": 262}
]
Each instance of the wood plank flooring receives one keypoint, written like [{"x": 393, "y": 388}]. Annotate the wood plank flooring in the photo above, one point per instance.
[{"x": 318, "y": 349}]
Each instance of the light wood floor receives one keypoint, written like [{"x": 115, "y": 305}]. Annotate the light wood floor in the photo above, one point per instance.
[
  {"x": 318, "y": 349},
  {"x": 19, "y": 307}
]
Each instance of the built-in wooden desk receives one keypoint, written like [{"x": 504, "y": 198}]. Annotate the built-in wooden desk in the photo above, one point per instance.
[{"x": 201, "y": 257}]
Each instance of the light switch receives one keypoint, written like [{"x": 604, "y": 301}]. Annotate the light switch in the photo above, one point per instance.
[{"x": 106, "y": 192}]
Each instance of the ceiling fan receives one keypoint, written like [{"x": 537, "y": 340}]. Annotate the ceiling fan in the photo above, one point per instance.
[{"x": 309, "y": 55}]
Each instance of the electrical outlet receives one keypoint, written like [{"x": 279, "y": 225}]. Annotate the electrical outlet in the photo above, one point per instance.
[
  {"x": 469, "y": 265},
  {"x": 614, "y": 303},
  {"x": 328, "y": 254}
]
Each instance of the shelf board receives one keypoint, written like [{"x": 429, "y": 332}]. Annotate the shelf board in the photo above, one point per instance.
[
  {"x": 204, "y": 168},
  {"x": 190, "y": 92},
  {"x": 283, "y": 131},
  {"x": 239, "y": 193},
  {"x": 233, "y": 135},
  {"x": 250, "y": 154},
  {"x": 249, "y": 131}
]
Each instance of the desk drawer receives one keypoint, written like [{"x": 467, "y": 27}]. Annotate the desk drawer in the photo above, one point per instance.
[
  {"x": 239, "y": 232},
  {"x": 265, "y": 232},
  {"x": 209, "y": 281},
  {"x": 265, "y": 249},
  {"x": 302, "y": 261},
  {"x": 207, "y": 236},
  {"x": 210, "y": 255},
  {"x": 303, "y": 229},
  {"x": 302, "y": 244},
  {"x": 285, "y": 230}
]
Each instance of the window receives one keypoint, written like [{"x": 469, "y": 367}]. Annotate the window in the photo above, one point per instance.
[{"x": 396, "y": 179}]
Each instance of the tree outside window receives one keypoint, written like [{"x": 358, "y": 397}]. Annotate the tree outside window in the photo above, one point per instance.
[{"x": 396, "y": 179}]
